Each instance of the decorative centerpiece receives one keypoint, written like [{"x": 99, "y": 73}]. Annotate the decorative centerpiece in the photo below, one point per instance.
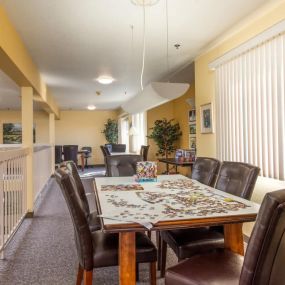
[{"x": 146, "y": 171}]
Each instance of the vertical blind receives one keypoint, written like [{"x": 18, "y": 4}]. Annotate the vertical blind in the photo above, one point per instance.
[{"x": 250, "y": 106}]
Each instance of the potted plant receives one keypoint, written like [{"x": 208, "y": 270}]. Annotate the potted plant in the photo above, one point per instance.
[
  {"x": 111, "y": 131},
  {"x": 165, "y": 134}
]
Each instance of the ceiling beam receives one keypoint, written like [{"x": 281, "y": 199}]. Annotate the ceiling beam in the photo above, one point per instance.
[{"x": 16, "y": 62}]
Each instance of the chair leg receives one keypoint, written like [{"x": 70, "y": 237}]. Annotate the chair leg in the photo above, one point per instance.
[
  {"x": 88, "y": 277},
  {"x": 163, "y": 258},
  {"x": 149, "y": 234},
  {"x": 79, "y": 275},
  {"x": 152, "y": 272},
  {"x": 137, "y": 272},
  {"x": 158, "y": 242}
]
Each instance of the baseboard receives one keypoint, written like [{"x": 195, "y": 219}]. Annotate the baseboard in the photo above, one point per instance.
[{"x": 29, "y": 215}]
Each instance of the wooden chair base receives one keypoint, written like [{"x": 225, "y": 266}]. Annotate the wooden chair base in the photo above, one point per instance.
[{"x": 84, "y": 275}]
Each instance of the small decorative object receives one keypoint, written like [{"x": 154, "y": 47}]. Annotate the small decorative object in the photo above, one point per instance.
[
  {"x": 206, "y": 118},
  {"x": 146, "y": 171},
  {"x": 111, "y": 131},
  {"x": 165, "y": 134},
  {"x": 192, "y": 115},
  {"x": 179, "y": 154},
  {"x": 189, "y": 155}
]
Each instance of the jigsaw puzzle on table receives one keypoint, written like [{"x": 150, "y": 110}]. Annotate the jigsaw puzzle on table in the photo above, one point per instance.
[
  {"x": 168, "y": 200},
  {"x": 122, "y": 187}
]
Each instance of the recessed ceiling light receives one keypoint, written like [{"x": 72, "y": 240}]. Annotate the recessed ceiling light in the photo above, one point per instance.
[
  {"x": 104, "y": 79},
  {"x": 91, "y": 107}
]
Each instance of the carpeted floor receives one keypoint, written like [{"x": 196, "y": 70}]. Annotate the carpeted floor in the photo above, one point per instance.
[{"x": 43, "y": 249}]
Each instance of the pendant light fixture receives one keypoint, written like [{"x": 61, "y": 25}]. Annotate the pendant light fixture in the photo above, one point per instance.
[{"x": 155, "y": 93}]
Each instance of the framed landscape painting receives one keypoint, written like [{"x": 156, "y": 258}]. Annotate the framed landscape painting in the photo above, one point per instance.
[
  {"x": 207, "y": 124},
  {"x": 12, "y": 133}
]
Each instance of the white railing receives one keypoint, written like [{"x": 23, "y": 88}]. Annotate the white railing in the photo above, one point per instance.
[
  {"x": 13, "y": 192},
  {"x": 42, "y": 168}
]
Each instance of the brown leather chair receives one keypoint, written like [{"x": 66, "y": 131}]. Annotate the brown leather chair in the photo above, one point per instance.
[
  {"x": 263, "y": 263},
  {"x": 122, "y": 165},
  {"x": 92, "y": 218},
  {"x": 144, "y": 152},
  {"x": 98, "y": 249},
  {"x": 235, "y": 178},
  {"x": 105, "y": 150},
  {"x": 205, "y": 170}
]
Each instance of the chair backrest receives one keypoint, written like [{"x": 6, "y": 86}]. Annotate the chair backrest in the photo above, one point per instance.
[
  {"x": 116, "y": 147},
  {"x": 109, "y": 147},
  {"x": 58, "y": 154},
  {"x": 83, "y": 238},
  {"x": 265, "y": 255},
  {"x": 79, "y": 186},
  {"x": 88, "y": 148},
  {"x": 122, "y": 165},
  {"x": 70, "y": 152},
  {"x": 237, "y": 178},
  {"x": 144, "y": 152},
  {"x": 105, "y": 150},
  {"x": 205, "y": 170}
]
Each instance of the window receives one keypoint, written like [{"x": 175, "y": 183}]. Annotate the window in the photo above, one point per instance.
[{"x": 250, "y": 107}]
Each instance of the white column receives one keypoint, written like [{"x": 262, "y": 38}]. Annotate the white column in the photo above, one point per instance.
[
  {"x": 27, "y": 141},
  {"x": 52, "y": 139}
]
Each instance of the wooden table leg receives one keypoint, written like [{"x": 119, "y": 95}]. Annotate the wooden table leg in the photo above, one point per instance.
[
  {"x": 127, "y": 258},
  {"x": 234, "y": 238}
]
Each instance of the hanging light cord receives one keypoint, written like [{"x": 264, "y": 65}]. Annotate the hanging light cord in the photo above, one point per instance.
[
  {"x": 143, "y": 55},
  {"x": 167, "y": 35}
]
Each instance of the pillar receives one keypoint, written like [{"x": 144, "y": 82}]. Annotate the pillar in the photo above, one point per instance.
[
  {"x": 52, "y": 139},
  {"x": 27, "y": 141}
]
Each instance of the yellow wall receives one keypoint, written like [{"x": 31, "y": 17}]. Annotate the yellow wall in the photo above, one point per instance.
[
  {"x": 204, "y": 78},
  {"x": 177, "y": 109},
  {"x": 83, "y": 128},
  {"x": 41, "y": 121}
]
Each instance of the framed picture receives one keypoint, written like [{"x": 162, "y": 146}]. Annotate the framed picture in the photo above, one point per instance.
[
  {"x": 192, "y": 142},
  {"x": 192, "y": 129},
  {"x": 12, "y": 133},
  {"x": 207, "y": 124},
  {"x": 192, "y": 116}
]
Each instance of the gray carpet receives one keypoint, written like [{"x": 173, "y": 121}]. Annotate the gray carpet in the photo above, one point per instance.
[{"x": 43, "y": 249}]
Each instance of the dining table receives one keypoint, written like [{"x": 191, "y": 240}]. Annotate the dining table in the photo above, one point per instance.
[{"x": 169, "y": 202}]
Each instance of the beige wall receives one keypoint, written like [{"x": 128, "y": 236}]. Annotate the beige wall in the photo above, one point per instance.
[
  {"x": 41, "y": 121},
  {"x": 83, "y": 128},
  {"x": 204, "y": 78},
  {"x": 178, "y": 110}
]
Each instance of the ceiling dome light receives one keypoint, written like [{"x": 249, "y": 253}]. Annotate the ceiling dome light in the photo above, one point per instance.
[
  {"x": 91, "y": 107},
  {"x": 105, "y": 79}
]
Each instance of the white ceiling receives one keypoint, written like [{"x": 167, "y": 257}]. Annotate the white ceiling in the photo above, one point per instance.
[{"x": 72, "y": 42}]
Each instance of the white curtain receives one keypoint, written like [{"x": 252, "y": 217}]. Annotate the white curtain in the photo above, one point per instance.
[
  {"x": 139, "y": 129},
  {"x": 251, "y": 107},
  {"x": 124, "y": 131}
]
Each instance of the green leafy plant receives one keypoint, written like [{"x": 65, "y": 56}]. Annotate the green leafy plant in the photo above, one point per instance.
[
  {"x": 165, "y": 134},
  {"x": 111, "y": 131}
]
